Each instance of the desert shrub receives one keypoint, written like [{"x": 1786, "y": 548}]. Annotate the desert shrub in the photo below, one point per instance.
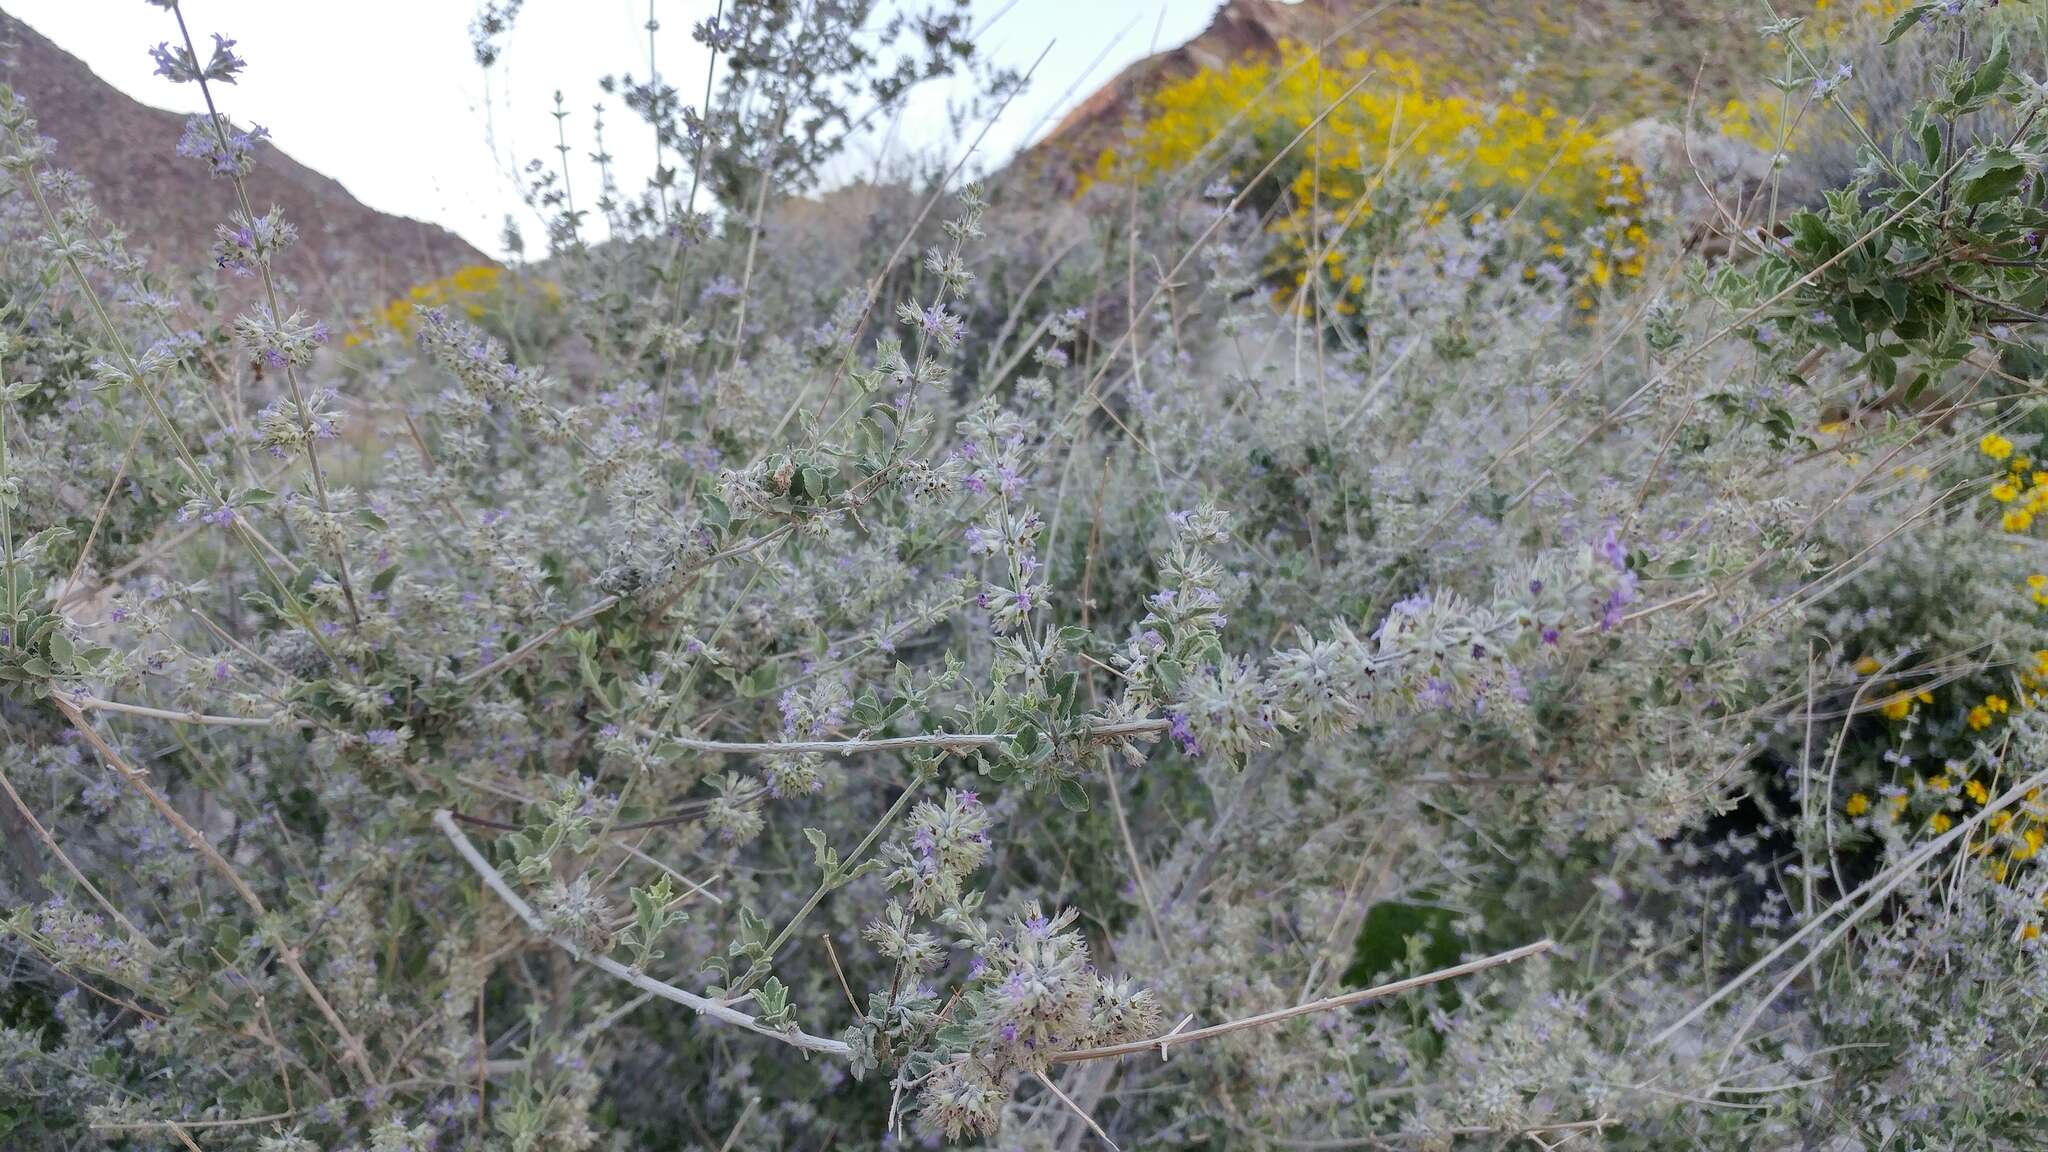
[
  {"x": 999, "y": 674},
  {"x": 1387, "y": 146}
]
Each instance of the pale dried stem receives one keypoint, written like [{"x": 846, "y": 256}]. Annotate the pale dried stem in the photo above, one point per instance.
[
  {"x": 701, "y": 1005},
  {"x": 50, "y": 842},
  {"x": 1076, "y": 1109},
  {"x": 287, "y": 955},
  {"x": 1857, "y": 904},
  {"x": 1326, "y": 1004}
]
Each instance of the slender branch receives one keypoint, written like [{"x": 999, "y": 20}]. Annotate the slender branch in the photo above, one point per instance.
[
  {"x": 194, "y": 1125},
  {"x": 828, "y": 884},
  {"x": 2012, "y": 310},
  {"x": 947, "y": 740},
  {"x": 703, "y": 1006},
  {"x": 695, "y": 889},
  {"x": 745, "y": 1115},
  {"x": 900, "y": 743},
  {"x": 87, "y": 703},
  {"x": 301, "y": 414},
  {"x": 42, "y": 833},
  {"x": 351, "y": 1047},
  {"x": 843, "y": 747},
  {"x": 1327, "y": 1004},
  {"x": 1123, "y": 828},
  {"x": 1076, "y": 1109},
  {"x": 528, "y": 648},
  {"x": 1858, "y": 904}
]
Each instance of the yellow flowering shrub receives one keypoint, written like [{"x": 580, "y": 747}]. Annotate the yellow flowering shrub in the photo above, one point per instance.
[
  {"x": 1399, "y": 139},
  {"x": 473, "y": 293},
  {"x": 2015, "y": 494}
]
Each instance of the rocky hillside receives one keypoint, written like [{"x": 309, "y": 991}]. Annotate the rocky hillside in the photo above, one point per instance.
[
  {"x": 348, "y": 254},
  {"x": 1620, "y": 59}
]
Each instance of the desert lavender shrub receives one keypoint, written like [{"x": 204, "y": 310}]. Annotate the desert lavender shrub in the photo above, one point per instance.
[{"x": 1001, "y": 675}]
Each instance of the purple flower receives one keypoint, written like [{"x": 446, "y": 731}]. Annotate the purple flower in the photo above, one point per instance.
[
  {"x": 715, "y": 34},
  {"x": 168, "y": 64},
  {"x": 1613, "y": 552},
  {"x": 1623, "y": 594},
  {"x": 225, "y": 63},
  {"x": 1413, "y": 605}
]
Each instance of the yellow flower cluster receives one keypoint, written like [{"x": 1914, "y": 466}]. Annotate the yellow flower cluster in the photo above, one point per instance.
[
  {"x": 465, "y": 289},
  {"x": 1898, "y": 705},
  {"x": 2009, "y": 837},
  {"x": 2020, "y": 493},
  {"x": 1983, "y": 714},
  {"x": 1389, "y": 121},
  {"x": 471, "y": 292}
]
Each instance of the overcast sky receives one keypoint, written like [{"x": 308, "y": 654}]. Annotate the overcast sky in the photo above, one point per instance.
[{"x": 384, "y": 95}]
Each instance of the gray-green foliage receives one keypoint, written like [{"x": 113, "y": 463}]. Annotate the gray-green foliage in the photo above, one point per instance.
[{"x": 864, "y": 699}]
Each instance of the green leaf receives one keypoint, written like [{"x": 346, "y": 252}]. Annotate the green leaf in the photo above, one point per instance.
[
  {"x": 1073, "y": 797},
  {"x": 823, "y": 856},
  {"x": 1906, "y": 21},
  {"x": 1812, "y": 234},
  {"x": 1931, "y": 144},
  {"x": 1991, "y": 74},
  {"x": 716, "y": 513},
  {"x": 586, "y": 669},
  {"x": 1895, "y": 298},
  {"x": 1992, "y": 176},
  {"x": 753, "y": 929},
  {"x": 815, "y": 481},
  {"x": 760, "y": 682}
]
